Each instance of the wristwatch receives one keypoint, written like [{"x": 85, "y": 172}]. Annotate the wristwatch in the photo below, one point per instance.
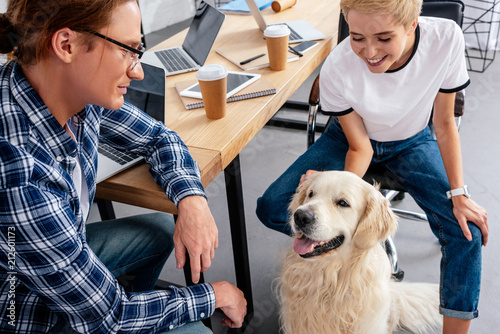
[{"x": 457, "y": 192}]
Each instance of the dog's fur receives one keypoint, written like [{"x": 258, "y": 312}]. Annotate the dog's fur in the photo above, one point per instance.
[{"x": 348, "y": 290}]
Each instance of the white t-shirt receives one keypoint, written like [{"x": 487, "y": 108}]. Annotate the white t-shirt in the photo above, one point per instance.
[
  {"x": 79, "y": 180},
  {"x": 397, "y": 104}
]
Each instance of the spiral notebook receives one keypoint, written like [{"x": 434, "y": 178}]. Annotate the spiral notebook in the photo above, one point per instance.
[{"x": 261, "y": 87}]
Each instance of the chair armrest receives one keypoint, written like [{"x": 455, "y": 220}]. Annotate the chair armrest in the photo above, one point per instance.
[
  {"x": 314, "y": 94},
  {"x": 459, "y": 103},
  {"x": 313, "y": 112}
]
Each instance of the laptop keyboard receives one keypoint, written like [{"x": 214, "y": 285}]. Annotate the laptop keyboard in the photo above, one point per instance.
[
  {"x": 173, "y": 60},
  {"x": 120, "y": 157},
  {"x": 293, "y": 34}
]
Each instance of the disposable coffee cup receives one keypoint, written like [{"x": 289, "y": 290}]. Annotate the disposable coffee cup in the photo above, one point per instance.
[
  {"x": 277, "y": 46},
  {"x": 213, "y": 86},
  {"x": 280, "y": 5}
]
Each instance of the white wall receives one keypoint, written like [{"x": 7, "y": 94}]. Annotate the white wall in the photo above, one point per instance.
[
  {"x": 156, "y": 14},
  {"x": 3, "y": 8},
  {"x": 488, "y": 21}
]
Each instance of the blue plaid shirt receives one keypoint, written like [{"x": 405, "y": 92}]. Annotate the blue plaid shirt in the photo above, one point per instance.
[{"x": 47, "y": 268}]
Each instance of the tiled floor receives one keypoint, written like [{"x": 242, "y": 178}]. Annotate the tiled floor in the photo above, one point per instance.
[{"x": 273, "y": 149}]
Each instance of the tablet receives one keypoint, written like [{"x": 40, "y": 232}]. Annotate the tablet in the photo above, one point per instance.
[{"x": 236, "y": 81}]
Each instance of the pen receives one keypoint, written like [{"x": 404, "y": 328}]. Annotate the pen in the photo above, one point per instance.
[
  {"x": 250, "y": 59},
  {"x": 295, "y": 51}
]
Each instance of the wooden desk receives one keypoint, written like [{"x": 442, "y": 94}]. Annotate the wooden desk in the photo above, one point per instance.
[
  {"x": 245, "y": 118},
  {"x": 136, "y": 186},
  {"x": 216, "y": 144}
]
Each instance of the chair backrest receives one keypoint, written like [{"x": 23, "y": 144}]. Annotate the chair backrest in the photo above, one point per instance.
[{"x": 448, "y": 9}]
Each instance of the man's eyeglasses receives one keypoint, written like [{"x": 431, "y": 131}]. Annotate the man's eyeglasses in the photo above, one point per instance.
[{"x": 135, "y": 54}]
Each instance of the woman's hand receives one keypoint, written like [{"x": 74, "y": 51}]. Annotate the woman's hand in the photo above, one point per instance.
[{"x": 466, "y": 210}]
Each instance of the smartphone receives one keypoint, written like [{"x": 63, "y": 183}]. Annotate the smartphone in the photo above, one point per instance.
[{"x": 304, "y": 46}]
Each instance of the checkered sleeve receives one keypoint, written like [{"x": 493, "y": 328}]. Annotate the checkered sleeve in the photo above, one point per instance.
[
  {"x": 171, "y": 163},
  {"x": 54, "y": 261}
]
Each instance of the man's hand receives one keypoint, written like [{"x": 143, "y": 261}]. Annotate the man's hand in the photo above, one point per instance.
[
  {"x": 465, "y": 210},
  {"x": 232, "y": 302},
  {"x": 195, "y": 231}
]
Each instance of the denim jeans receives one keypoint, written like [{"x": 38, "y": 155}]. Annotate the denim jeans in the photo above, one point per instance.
[
  {"x": 190, "y": 328},
  {"x": 417, "y": 165},
  {"x": 134, "y": 249}
]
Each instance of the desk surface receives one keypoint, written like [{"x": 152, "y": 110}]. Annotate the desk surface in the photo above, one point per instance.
[
  {"x": 136, "y": 186},
  {"x": 215, "y": 143}
]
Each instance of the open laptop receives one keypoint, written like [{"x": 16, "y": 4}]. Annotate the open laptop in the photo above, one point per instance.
[
  {"x": 196, "y": 46},
  {"x": 149, "y": 96},
  {"x": 300, "y": 30}
]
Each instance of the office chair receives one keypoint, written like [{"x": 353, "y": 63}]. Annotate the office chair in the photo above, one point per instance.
[{"x": 450, "y": 9}]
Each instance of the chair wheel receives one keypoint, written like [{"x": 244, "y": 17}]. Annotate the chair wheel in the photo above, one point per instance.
[{"x": 398, "y": 276}]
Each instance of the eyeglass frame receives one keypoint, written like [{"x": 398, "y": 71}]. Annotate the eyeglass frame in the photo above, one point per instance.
[{"x": 139, "y": 52}]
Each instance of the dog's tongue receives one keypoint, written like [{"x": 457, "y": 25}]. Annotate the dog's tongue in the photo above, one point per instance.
[{"x": 303, "y": 245}]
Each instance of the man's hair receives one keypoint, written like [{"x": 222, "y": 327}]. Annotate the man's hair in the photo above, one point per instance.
[
  {"x": 404, "y": 12},
  {"x": 27, "y": 27}
]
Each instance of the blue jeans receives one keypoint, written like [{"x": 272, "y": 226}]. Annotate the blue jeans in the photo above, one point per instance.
[
  {"x": 134, "y": 249},
  {"x": 190, "y": 328},
  {"x": 417, "y": 165}
]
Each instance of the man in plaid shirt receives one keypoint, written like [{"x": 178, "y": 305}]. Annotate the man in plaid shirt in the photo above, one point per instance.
[{"x": 60, "y": 96}]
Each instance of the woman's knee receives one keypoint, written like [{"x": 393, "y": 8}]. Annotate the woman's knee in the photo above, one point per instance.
[{"x": 272, "y": 214}]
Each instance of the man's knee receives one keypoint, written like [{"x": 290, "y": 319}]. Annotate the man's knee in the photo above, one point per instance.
[{"x": 161, "y": 228}]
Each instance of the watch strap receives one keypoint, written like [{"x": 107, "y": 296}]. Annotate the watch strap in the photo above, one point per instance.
[{"x": 458, "y": 191}]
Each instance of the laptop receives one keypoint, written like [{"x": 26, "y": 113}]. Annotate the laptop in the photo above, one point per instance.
[
  {"x": 147, "y": 95},
  {"x": 196, "y": 46},
  {"x": 300, "y": 30}
]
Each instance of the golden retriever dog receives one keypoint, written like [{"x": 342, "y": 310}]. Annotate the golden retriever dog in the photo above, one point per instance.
[{"x": 337, "y": 277}]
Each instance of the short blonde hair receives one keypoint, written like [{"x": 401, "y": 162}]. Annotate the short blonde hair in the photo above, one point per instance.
[{"x": 404, "y": 11}]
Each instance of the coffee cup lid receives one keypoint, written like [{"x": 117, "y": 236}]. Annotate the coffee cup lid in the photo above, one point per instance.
[
  {"x": 211, "y": 72},
  {"x": 277, "y": 30}
]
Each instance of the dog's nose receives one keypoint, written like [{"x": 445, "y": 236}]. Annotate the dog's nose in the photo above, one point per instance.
[{"x": 303, "y": 217}]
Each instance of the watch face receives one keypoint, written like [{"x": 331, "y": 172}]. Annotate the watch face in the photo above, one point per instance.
[
  {"x": 459, "y": 191},
  {"x": 466, "y": 192}
]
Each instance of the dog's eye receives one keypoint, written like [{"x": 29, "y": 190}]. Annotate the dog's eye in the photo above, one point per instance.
[
  {"x": 311, "y": 194},
  {"x": 343, "y": 203}
]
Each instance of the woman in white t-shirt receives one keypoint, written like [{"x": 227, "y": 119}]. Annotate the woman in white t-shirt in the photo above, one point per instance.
[{"x": 382, "y": 84}]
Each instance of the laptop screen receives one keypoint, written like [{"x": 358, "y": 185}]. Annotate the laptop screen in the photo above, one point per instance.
[
  {"x": 202, "y": 32},
  {"x": 149, "y": 94}
]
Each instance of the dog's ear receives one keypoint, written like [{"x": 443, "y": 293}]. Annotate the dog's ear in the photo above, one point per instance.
[
  {"x": 377, "y": 223},
  {"x": 299, "y": 196}
]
